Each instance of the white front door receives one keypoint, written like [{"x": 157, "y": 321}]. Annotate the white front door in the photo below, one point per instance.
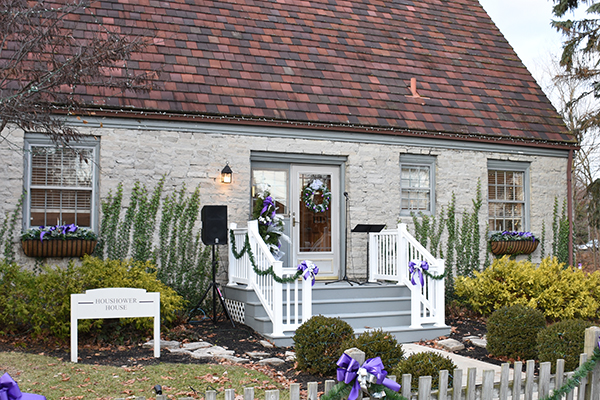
[{"x": 315, "y": 229}]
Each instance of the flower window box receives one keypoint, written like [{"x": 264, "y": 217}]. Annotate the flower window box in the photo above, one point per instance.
[{"x": 58, "y": 241}]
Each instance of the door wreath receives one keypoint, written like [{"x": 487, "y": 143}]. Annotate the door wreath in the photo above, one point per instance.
[{"x": 309, "y": 193}]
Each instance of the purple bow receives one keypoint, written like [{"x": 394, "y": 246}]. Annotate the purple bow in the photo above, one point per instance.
[
  {"x": 309, "y": 269},
  {"x": 267, "y": 202},
  {"x": 349, "y": 370},
  {"x": 413, "y": 270},
  {"x": 9, "y": 390}
]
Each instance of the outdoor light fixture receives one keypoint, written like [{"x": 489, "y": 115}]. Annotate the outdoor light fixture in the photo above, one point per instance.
[{"x": 226, "y": 174}]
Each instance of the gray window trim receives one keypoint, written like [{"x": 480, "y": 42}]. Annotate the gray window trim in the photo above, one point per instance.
[
  {"x": 519, "y": 166},
  {"x": 88, "y": 142},
  {"x": 420, "y": 161}
]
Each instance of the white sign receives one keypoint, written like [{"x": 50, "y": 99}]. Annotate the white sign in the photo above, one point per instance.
[{"x": 115, "y": 303}]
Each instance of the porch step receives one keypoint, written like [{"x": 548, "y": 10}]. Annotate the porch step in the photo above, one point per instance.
[{"x": 371, "y": 307}]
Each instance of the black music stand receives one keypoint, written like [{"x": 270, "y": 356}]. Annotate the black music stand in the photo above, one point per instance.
[{"x": 368, "y": 228}]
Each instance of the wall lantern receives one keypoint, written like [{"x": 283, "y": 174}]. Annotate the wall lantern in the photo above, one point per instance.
[{"x": 226, "y": 174}]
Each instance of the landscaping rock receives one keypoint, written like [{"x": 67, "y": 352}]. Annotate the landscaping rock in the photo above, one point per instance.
[
  {"x": 178, "y": 351},
  {"x": 271, "y": 361},
  {"x": 233, "y": 359},
  {"x": 257, "y": 354},
  {"x": 290, "y": 356},
  {"x": 451, "y": 345},
  {"x": 479, "y": 342},
  {"x": 267, "y": 344},
  {"x": 164, "y": 344},
  {"x": 196, "y": 345}
]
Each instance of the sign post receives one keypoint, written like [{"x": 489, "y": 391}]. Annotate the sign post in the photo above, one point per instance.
[{"x": 115, "y": 303}]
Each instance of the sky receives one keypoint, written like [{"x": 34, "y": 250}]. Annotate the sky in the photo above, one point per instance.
[{"x": 526, "y": 26}]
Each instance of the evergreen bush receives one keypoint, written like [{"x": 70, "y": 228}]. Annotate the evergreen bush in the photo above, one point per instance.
[
  {"x": 427, "y": 363},
  {"x": 512, "y": 332},
  {"x": 318, "y": 344},
  {"x": 562, "y": 340},
  {"x": 41, "y": 303},
  {"x": 377, "y": 343},
  {"x": 559, "y": 292}
]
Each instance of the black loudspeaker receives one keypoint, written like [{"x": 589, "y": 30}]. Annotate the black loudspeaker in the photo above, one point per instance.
[{"x": 214, "y": 225}]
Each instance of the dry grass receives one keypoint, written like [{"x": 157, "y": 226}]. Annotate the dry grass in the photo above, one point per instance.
[{"x": 56, "y": 379}]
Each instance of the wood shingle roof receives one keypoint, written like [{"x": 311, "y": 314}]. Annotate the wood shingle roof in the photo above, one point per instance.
[{"x": 338, "y": 64}]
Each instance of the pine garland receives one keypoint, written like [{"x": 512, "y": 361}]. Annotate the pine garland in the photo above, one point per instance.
[
  {"x": 575, "y": 380},
  {"x": 247, "y": 249}
]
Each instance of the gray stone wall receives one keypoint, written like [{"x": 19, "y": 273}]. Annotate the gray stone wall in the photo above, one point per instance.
[{"x": 372, "y": 173}]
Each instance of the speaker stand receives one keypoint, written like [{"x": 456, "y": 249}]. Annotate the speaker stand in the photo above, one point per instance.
[{"x": 214, "y": 286}]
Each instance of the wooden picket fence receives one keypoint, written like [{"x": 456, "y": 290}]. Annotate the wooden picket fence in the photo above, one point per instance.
[{"x": 515, "y": 386}]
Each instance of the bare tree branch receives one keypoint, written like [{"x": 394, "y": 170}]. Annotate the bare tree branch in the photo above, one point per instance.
[{"x": 46, "y": 63}]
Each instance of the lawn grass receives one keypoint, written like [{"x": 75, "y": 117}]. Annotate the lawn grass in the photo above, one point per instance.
[{"x": 57, "y": 379}]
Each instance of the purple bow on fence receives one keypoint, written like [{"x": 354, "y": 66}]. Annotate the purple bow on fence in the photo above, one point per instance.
[
  {"x": 309, "y": 269},
  {"x": 9, "y": 390},
  {"x": 414, "y": 269},
  {"x": 371, "y": 372}
]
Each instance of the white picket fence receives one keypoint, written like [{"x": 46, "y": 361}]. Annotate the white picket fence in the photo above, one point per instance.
[{"x": 521, "y": 386}]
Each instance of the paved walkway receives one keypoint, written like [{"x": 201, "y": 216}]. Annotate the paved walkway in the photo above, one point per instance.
[{"x": 461, "y": 362}]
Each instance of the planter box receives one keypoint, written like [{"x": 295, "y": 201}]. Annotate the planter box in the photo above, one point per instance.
[
  {"x": 58, "y": 248},
  {"x": 514, "y": 247}
]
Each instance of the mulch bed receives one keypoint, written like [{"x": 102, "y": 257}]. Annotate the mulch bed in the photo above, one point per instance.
[{"x": 241, "y": 339}]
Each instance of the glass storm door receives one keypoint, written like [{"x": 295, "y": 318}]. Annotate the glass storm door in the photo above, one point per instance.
[{"x": 315, "y": 228}]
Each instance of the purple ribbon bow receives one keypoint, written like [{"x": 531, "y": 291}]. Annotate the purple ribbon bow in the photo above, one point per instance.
[
  {"x": 413, "y": 270},
  {"x": 309, "y": 269},
  {"x": 349, "y": 370},
  {"x": 9, "y": 390},
  {"x": 268, "y": 201}
]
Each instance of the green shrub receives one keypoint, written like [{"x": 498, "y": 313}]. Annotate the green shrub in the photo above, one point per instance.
[
  {"x": 559, "y": 292},
  {"x": 377, "y": 343},
  {"x": 427, "y": 363},
  {"x": 512, "y": 332},
  {"x": 42, "y": 303},
  {"x": 318, "y": 344},
  {"x": 564, "y": 340}
]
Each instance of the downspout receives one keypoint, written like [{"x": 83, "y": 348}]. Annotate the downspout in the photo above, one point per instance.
[{"x": 570, "y": 203}]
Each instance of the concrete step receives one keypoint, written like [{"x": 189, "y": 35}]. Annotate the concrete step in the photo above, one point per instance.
[{"x": 385, "y": 307}]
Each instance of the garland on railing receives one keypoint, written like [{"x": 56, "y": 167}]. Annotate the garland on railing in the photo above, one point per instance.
[
  {"x": 421, "y": 269},
  {"x": 257, "y": 271},
  {"x": 579, "y": 374}
]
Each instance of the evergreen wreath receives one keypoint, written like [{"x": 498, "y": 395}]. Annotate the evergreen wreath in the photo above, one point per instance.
[{"x": 308, "y": 196}]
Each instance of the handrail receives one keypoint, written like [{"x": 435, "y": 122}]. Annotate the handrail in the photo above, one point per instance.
[
  {"x": 281, "y": 301},
  {"x": 391, "y": 251}
]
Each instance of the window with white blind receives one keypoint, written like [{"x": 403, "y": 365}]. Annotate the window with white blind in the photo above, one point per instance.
[
  {"x": 61, "y": 182},
  {"x": 508, "y": 195},
  {"x": 417, "y": 184}
]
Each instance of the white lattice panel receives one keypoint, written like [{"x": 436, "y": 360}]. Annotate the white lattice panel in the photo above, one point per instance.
[{"x": 237, "y": 310}]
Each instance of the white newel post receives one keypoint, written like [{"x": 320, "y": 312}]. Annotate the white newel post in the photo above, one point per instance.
[
  {"x": 402, "y": 254},
  {"x": 115, "y": 303},
  {"x": 374, "y": 256},
  {"x": 278, "y": 300},
  {"x": 233, "y": 262},
  {"x": 306, "y": 299},
  {"x": 440, "y": 307}
]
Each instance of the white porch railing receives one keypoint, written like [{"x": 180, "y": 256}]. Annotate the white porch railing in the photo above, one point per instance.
[
  {"x": 283, "y": 303},
  {"x": 390, "y": 252}
]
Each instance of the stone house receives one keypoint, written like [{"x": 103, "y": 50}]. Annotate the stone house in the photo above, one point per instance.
[{"x": 396, "y": 106}]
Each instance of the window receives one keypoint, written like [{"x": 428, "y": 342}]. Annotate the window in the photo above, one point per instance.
[
  {"x": 61, "y": 182},
  {"x": 417, "y": 184},
  {"x": 273, "y": 179},
  {"x": 508, "y": 196}
]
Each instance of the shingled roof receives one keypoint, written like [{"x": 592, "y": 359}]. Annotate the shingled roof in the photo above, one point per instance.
[{"x": 333, "y": 64}]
